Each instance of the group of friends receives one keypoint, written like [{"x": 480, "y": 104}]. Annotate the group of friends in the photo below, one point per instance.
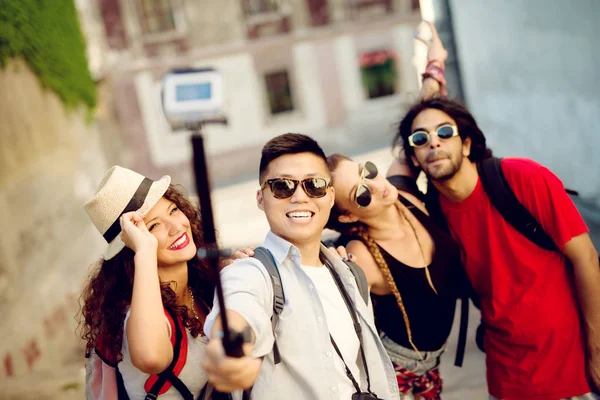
[{"x": 540, "y": 308}]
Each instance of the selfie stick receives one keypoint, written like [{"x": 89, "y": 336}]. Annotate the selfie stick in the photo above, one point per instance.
[{"x": 232, "y": 341}]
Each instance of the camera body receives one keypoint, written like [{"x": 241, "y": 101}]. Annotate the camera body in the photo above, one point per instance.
[
  {"x": 364, "y": 396},
  {"x": 192, "y": 96}
]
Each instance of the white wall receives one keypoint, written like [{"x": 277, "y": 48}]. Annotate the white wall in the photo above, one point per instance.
[{"x": 530, "y": 77}]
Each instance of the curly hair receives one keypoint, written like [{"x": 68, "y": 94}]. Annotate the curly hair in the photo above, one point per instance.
[
  {"x": 107, "y": 296},
  {"x": 465, "y": 122}
]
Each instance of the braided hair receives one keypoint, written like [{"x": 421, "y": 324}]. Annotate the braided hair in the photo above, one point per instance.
[{"x": 360, "y": 230}]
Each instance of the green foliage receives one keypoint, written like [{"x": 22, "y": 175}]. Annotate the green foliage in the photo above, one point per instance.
[{"x": 46, "y": 33}]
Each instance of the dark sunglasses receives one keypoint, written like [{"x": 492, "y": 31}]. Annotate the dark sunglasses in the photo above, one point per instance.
[
  {"x": 420, "y": 138},
  {"x": 362, "y": 197},
  {"x": 283, "y": 188}
]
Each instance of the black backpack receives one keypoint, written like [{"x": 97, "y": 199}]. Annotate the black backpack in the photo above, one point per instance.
[{"x": 265, "y": 256}]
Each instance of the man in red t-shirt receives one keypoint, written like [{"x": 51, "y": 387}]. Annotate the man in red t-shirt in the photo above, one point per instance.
[{"x": 541, "y": 308}]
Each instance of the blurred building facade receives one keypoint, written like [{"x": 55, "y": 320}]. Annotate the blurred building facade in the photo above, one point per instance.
[{"x": 338, "y": 70}]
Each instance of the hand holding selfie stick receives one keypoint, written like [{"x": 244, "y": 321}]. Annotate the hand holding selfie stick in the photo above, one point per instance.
[{"x": 232, "y": 341}]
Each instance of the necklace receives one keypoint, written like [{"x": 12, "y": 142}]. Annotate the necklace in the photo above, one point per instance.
[
  {"x": 193, "y": 303},
  {"x": 420, "y": 247}
]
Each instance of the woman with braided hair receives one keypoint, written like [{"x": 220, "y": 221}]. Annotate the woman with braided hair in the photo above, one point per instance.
[{"x": 413, "y": 269}]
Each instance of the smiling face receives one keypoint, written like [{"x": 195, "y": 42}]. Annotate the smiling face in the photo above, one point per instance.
[
  {"x": 440, "y": 159},
  {"x": 347, "y": 178},
  {"x": 173, "y": 232},
  {"x": 299, "y": 219}
]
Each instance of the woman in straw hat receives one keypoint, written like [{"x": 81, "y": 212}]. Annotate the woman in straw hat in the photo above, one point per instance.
[{"x": 149, "y": 271}]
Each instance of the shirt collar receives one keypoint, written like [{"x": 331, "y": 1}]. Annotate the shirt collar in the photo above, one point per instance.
[{"x": 281, "y": 248}]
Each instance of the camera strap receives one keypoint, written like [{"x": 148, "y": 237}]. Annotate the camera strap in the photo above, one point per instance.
[
  {"x": 357, "y": 329},
  {"x": 348, "y": 372}
]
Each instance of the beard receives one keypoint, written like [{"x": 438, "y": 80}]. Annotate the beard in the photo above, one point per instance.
[{"x": 441, "y": 171}]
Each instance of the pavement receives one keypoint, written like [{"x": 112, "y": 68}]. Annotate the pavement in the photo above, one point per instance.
[{"x": 240, "y": 223}]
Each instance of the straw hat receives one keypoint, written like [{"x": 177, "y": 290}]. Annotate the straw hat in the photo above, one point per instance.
[{"x": 122, "y": 190}]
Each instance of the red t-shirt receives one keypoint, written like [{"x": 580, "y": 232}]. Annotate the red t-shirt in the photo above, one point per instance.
[{"x": 534, "y": 341}]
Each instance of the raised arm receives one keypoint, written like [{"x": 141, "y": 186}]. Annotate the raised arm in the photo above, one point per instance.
[
  {"x": 147, "y": 330},
  {"x": 434, "y": 84},
  {"x": 433, "y": 78}
]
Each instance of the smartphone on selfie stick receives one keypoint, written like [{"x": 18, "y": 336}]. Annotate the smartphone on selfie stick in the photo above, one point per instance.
[{"x": 192, "y": 98}]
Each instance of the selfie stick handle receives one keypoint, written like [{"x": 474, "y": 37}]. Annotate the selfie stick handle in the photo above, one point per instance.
[{"x": 232, "y": 341}]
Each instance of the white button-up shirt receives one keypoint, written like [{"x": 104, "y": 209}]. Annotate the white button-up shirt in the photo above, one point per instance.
[{"x": 307, "y": 369}]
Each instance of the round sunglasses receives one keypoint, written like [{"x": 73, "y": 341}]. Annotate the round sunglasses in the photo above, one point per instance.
[
  {"x": 421, "y": 137},
  {"x": 283, "y": 188},
  {"x": 363, "y": 196}
]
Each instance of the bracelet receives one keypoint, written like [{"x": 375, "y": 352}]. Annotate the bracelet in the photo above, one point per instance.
[
  {"x": 437, "y": 73},
  {"x": 441, "y": 63},
  {"x": 246, "y": 334}
]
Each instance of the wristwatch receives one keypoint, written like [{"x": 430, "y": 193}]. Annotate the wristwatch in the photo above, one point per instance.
[{"x": 246, "y": 333}]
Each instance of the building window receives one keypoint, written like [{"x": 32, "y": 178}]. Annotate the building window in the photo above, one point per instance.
[
  {"x": 253, "y": 7},
  {"x": 319, "y": 12},
  {"x": 378, "y": 72},
  {"x": 279, "y": 92},
  {"x": 357, "y": 7},
  {"x": 156, "y": 16},
  {"x": 266, "y": 18}
]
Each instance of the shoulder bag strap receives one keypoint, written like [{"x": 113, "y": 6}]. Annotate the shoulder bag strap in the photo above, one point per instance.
[{"x": 356, "y": 323}]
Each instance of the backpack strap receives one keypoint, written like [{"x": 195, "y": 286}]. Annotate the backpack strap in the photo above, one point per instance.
[
  {"x": 121, "y": 391},
  {"x": 159, "y": 384},
  {"x": 361, "y": 280},
  {"x": 461, "y": 345},
  {"x": 504, "y": 200},
  {"x": 266, "y": 258},
  {"x": 162, "y": 382}
]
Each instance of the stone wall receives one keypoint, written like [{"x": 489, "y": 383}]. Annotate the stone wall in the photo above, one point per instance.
[{"x": 50, "y": 163}]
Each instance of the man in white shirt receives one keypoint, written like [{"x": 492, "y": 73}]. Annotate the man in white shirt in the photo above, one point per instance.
[{"x": 326, "y": 334}]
